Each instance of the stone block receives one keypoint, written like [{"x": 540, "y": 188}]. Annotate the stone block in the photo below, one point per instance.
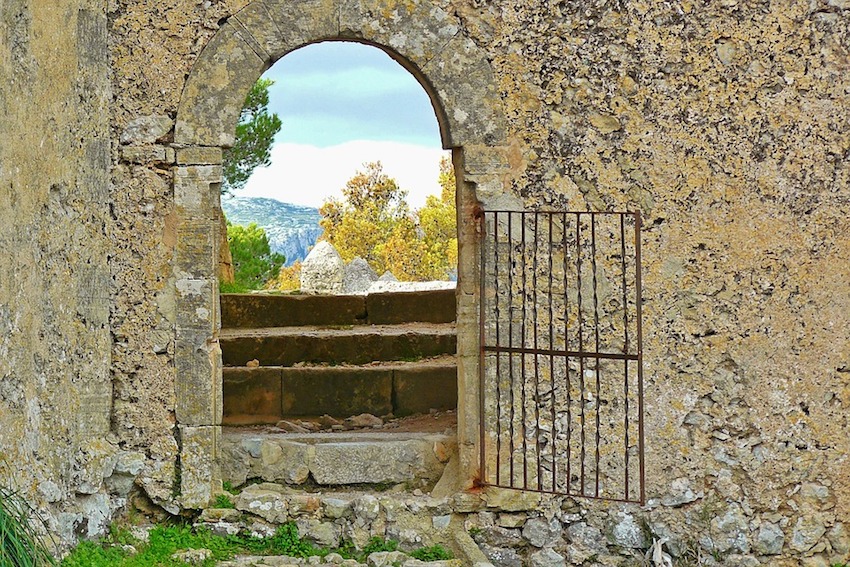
[
  {"x": 214, "y": 93},
  {"x": 373, "y": 462},
  {"x": 301, "y": 23},
  {"x": 196, "y": 254},
  {"x": 418, "y": 388},
  {"x": 197, "y": 303},
  {"x": 418, "y": 29},
  {"x": 339, "y": 392},
  {"x": 433, "y": 306},
  {"x": 256, "y": 310},
  {"x": 197, "y": 191},
  {"x": 197, "y": 385},
  {"x": 198, "y": 155},
  {"x": 251, "y": 395},
  {"x": 199, "y": 453},
  {"x": 464, "y": 80}
]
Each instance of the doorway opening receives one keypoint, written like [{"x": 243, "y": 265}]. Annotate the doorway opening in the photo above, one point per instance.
[
  {"x": 356, "y": 333},
  {"x": 457, "y": 76}
]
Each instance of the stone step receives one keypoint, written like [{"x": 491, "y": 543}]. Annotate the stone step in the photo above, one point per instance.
[
  {"x": 355, "y": 344},
  {"x": 249, "y": 311},
  {"x": 265, "y": 395},
  {"x": 376, "y": 458}
]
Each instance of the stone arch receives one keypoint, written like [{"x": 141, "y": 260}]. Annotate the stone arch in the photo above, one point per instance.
[{"x": 425, "y": 39}]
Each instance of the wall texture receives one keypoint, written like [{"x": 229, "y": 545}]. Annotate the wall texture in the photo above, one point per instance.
[
  {"x": 55, "y": 285},
  {"x": 724, "y": 122}
]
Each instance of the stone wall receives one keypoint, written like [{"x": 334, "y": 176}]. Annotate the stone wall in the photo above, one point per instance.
[
  {"x": 725, "y": 123},
  {"x": 55, "y": 284}
]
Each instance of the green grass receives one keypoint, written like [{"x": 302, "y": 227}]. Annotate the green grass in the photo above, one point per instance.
[
  {"x": 433, "y": 553},
  {"x": 20, "y": 543},
  {"x": 224, "y": 501},
  {"x": 164, "y": 541}
]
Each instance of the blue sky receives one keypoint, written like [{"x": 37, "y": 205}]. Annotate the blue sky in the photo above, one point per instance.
[{"x": 343, "y": 104}]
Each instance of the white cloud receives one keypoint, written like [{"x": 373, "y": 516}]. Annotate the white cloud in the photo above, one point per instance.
[{"x": 307, "y": 175}]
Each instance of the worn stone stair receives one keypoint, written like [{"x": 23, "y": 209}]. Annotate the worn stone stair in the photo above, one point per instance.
[{"x": 308, "y": 355}]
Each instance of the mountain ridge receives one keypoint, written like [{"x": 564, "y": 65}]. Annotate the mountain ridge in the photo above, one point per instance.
[{"x": 292, "y": 229}]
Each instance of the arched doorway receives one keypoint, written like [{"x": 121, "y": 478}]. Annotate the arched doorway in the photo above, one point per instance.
[{"x": 455, "y": 73}]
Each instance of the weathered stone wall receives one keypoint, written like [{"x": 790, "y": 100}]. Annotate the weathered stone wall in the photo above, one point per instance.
[
  {"x": 55, "y": 286},
  {"x": 725, "y": 123}
]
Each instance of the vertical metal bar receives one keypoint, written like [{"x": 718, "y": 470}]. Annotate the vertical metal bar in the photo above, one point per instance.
[
  {"x": 498, "y": 354},
  {"x": 522, "y": 356},
  {"x": 567, "y": 358},
  {"x": 536, "y": 347},
  {"x": 481, "y": 344},
  {"x": 553, "y": 397},
  {"x": 625, "y": 348},
  {"x": 639, "y": 309},
  {"x": 596, "y": 345},
  {"x": 580, "y": 349},
  {"x": 511, "y": 339}
]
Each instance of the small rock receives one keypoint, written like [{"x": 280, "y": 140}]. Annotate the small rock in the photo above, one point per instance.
[
  {"x": 192, "y": 556},
  {"x": 253, "y": 363},
  {"x": 680, "y": 493},
  {"x": 364, "y": 420},
  {"x": 547, "y": 557},
  {"x": 627, "y": 533},
  {"x": 146, "y": 129},
  {"x": 327, "y": 421},
  {"x": 503, "y": 557},
  {"x": 322, "y": 271},
  {"x": 367, "y": 506},
  {"x": 807, "y": 531},
  {"x": 386, "y": 558},
  {"x": 770, "y": 539},
  {"x": 387, "y": 277},
  {"x": 839, "y": 538},
  {"x": 541, "y": 532},
  {"x": 358, "y": 276},
  {"x": 441, "y": 522},
  {"x": 726, "y": 51},
  {"x": 291, "y": 427}
]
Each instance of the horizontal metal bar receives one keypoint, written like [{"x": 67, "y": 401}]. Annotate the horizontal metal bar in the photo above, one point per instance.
[
  {"x": 505, "y": 211},
  {"x": 568, "y": 494},
  {"x": 567, "y": 353}
]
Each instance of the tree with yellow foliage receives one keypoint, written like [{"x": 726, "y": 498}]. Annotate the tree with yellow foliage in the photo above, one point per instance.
[{"x": 373, "y": 221}]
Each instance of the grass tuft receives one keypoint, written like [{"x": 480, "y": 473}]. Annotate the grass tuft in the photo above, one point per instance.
[{"x": 20, "y": 543}]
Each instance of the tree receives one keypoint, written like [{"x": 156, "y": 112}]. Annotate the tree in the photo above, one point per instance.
[
  {"x": 373, "y": 221},
  {"x": 253, "y": 261},
  {"x": 255, "y": 134},
  {"x": 438, "y": 221},
  {"x": 372, "y": 205}
]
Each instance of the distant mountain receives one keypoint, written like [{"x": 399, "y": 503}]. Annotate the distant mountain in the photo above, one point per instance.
[{"x": 292, "y": 229}]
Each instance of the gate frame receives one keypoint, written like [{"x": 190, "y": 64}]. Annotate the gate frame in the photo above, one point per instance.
[{"x": 458, "y": 77}]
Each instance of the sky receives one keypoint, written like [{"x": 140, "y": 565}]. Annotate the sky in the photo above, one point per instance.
[{"x": 342, "y": 105}]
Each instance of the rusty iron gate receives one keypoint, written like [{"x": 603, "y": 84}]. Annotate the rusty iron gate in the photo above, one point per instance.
[{"x": 561, "y": 356}]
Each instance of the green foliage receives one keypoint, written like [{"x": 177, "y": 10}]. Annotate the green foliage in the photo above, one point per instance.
[
  {"x": 224, "y": 501},
  {"x": 20, "y": 543},
  {"x": 164, "y": 541},
  {"x": 433, "y": 553},
  {"x": 373, "y": 221},
  {"x": 254, "y": 137},
  {"x": 228, "y": 487},
  {"x": 253, "y": 261},
  {"x": 377, "y": 544}
]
